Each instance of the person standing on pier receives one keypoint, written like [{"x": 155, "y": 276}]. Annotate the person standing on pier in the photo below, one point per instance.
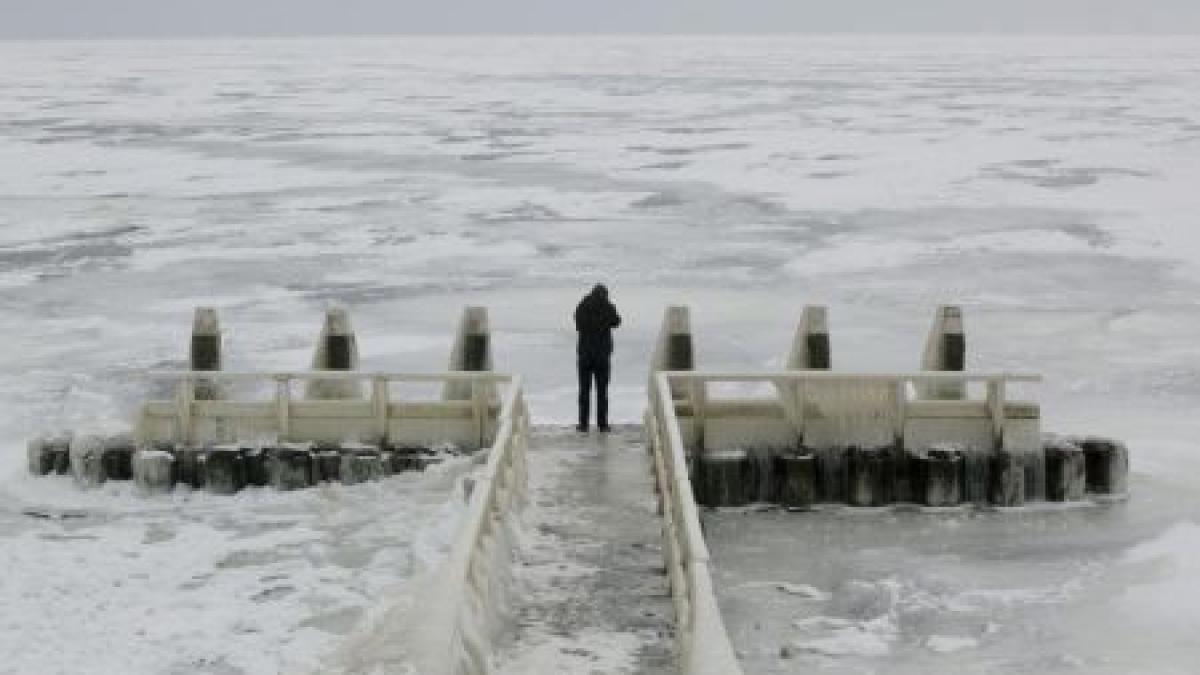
[{"x": 595, "y": 317}]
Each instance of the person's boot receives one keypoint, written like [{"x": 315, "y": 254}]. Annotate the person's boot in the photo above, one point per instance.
[
  {"x": 603, "y": 427},
  {"x": 582, "y": 428}
]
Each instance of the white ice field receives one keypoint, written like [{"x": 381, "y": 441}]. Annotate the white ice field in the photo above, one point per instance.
[{"x": 1051, "y": 186}]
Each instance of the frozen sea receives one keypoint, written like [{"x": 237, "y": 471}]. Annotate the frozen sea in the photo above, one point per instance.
[{"x": 1048, "y": 185}]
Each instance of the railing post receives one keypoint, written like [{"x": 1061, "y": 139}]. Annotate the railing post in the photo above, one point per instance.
[
  {"x": 699, "y": 395},
  {"x": 283, "y": 406},
  {"x": 479, "y": 403},
  {"x": 900, "y": 391},
  {"x": 379, "y": 398},
  {"x": 185, "y": 396},
  {"x": 995, "y": 402}
]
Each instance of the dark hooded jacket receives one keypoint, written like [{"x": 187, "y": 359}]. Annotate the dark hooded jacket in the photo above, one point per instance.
[{"x": 595, "y": 317}]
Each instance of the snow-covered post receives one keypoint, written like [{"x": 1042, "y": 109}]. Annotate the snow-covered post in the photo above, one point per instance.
[
  {"x": 205, "y": 352},
  {"x": 810, "y": 346},
  {"x": 337, "y": 349},
  {"x": 674, "y": 349},
  {"x": 945, "y": 350},
  {"x": 472, "y": 352}
]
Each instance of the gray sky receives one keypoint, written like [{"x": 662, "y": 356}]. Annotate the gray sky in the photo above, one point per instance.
[{"x": 107, "y": 18}]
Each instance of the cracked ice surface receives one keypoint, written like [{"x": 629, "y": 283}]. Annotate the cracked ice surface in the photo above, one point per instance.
[{"x": 1047, "y": 184}]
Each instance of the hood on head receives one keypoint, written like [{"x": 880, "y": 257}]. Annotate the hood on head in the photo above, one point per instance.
[{"x": 600, "y": 291}]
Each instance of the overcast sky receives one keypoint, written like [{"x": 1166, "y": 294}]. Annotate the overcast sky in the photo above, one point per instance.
[{"x": 107, "y": 18}]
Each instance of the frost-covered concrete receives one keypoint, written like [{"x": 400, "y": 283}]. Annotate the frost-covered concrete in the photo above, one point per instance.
[{"x": 591, "y": 591}]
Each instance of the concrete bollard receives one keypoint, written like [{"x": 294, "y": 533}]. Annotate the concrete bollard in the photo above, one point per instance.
[
  {"x": 326, "y": 465},
  {"x": 87, "y": 460},
  {"x": 153, "y": 471},
  {"x": 945, "y": 350},
  {"x": 360, "y": 465},
  {"x": 472, "y": 352},
  {"x": 868, "y": 471},
  {"x": 205, "y": 352},
  {"x": 1006, "y": 478},
  {"x": 224, "y": 470},
  {"x": 258, "y": 466},
  {"x": 723, "y": 475},
  {"x": 810, "y": 346},
  {"x": 797, "y": 480},
  {"x": 674, "y": 349},
  {"x": 291, "y": 467},
  {"x": 941, "y": 476},
  {"x": 1106, "y": 464},
  {"x": 337, "y": 349},
  {"x": 1066, "y": 472},
  {"x": 189, "y": 466},
  {"x": 117, "y": 457}
]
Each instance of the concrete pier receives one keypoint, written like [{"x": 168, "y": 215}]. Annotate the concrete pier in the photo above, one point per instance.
[
  {"x": 153, "y": 471},
  {"x": 257, "y": 462},
  {"x": 1006, "y": 478},
  {"x": 87, "y": 457},
  {"x": 189, "y": 466},
  {"x": 722, "y": 478},
  {"x": 290, "y": 467},
  {"x": 49, "y": 454},
  {"x": 868, "y": 472},
  {"x": 941, "y": 476},
  {"x": 326, "y": 465},
  {"x": 225, "y": 470},
  {"x": 117, "y": 457},
  {"x": 1066, "y": 472},
  {"x": 360, "y": 464},
  {"x": 1106, "y": 465},
  {"x": 796, "y": 476}
]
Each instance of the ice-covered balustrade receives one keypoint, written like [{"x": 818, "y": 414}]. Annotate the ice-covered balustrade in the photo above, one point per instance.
[
  {"x": 225, "y": 430},
  {"x": 703, "y": 644},
  {"x": 942, "y": 436}
]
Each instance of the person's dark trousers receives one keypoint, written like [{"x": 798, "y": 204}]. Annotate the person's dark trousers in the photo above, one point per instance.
[{"x": 593, "y": 367}]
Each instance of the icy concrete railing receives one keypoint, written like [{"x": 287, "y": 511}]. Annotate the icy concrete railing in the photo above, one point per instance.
[
  {"x": 702, "y": 643},
  {"x": 826, "y": 408},
  {"x": 188, "y": 420},
  {"x": 462, "y": 609}
]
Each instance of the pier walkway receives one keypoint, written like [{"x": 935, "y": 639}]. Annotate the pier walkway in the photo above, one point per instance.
[{"x": 591, "y": 595}]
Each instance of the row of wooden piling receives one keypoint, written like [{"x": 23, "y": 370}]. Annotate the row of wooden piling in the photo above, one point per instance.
[
  {"x": 221, "y": 469},
  {"x": 1062, "y": 470}
]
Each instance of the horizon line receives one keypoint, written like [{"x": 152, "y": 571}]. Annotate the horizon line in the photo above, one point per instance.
[{"x": 233, "y": 35}]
